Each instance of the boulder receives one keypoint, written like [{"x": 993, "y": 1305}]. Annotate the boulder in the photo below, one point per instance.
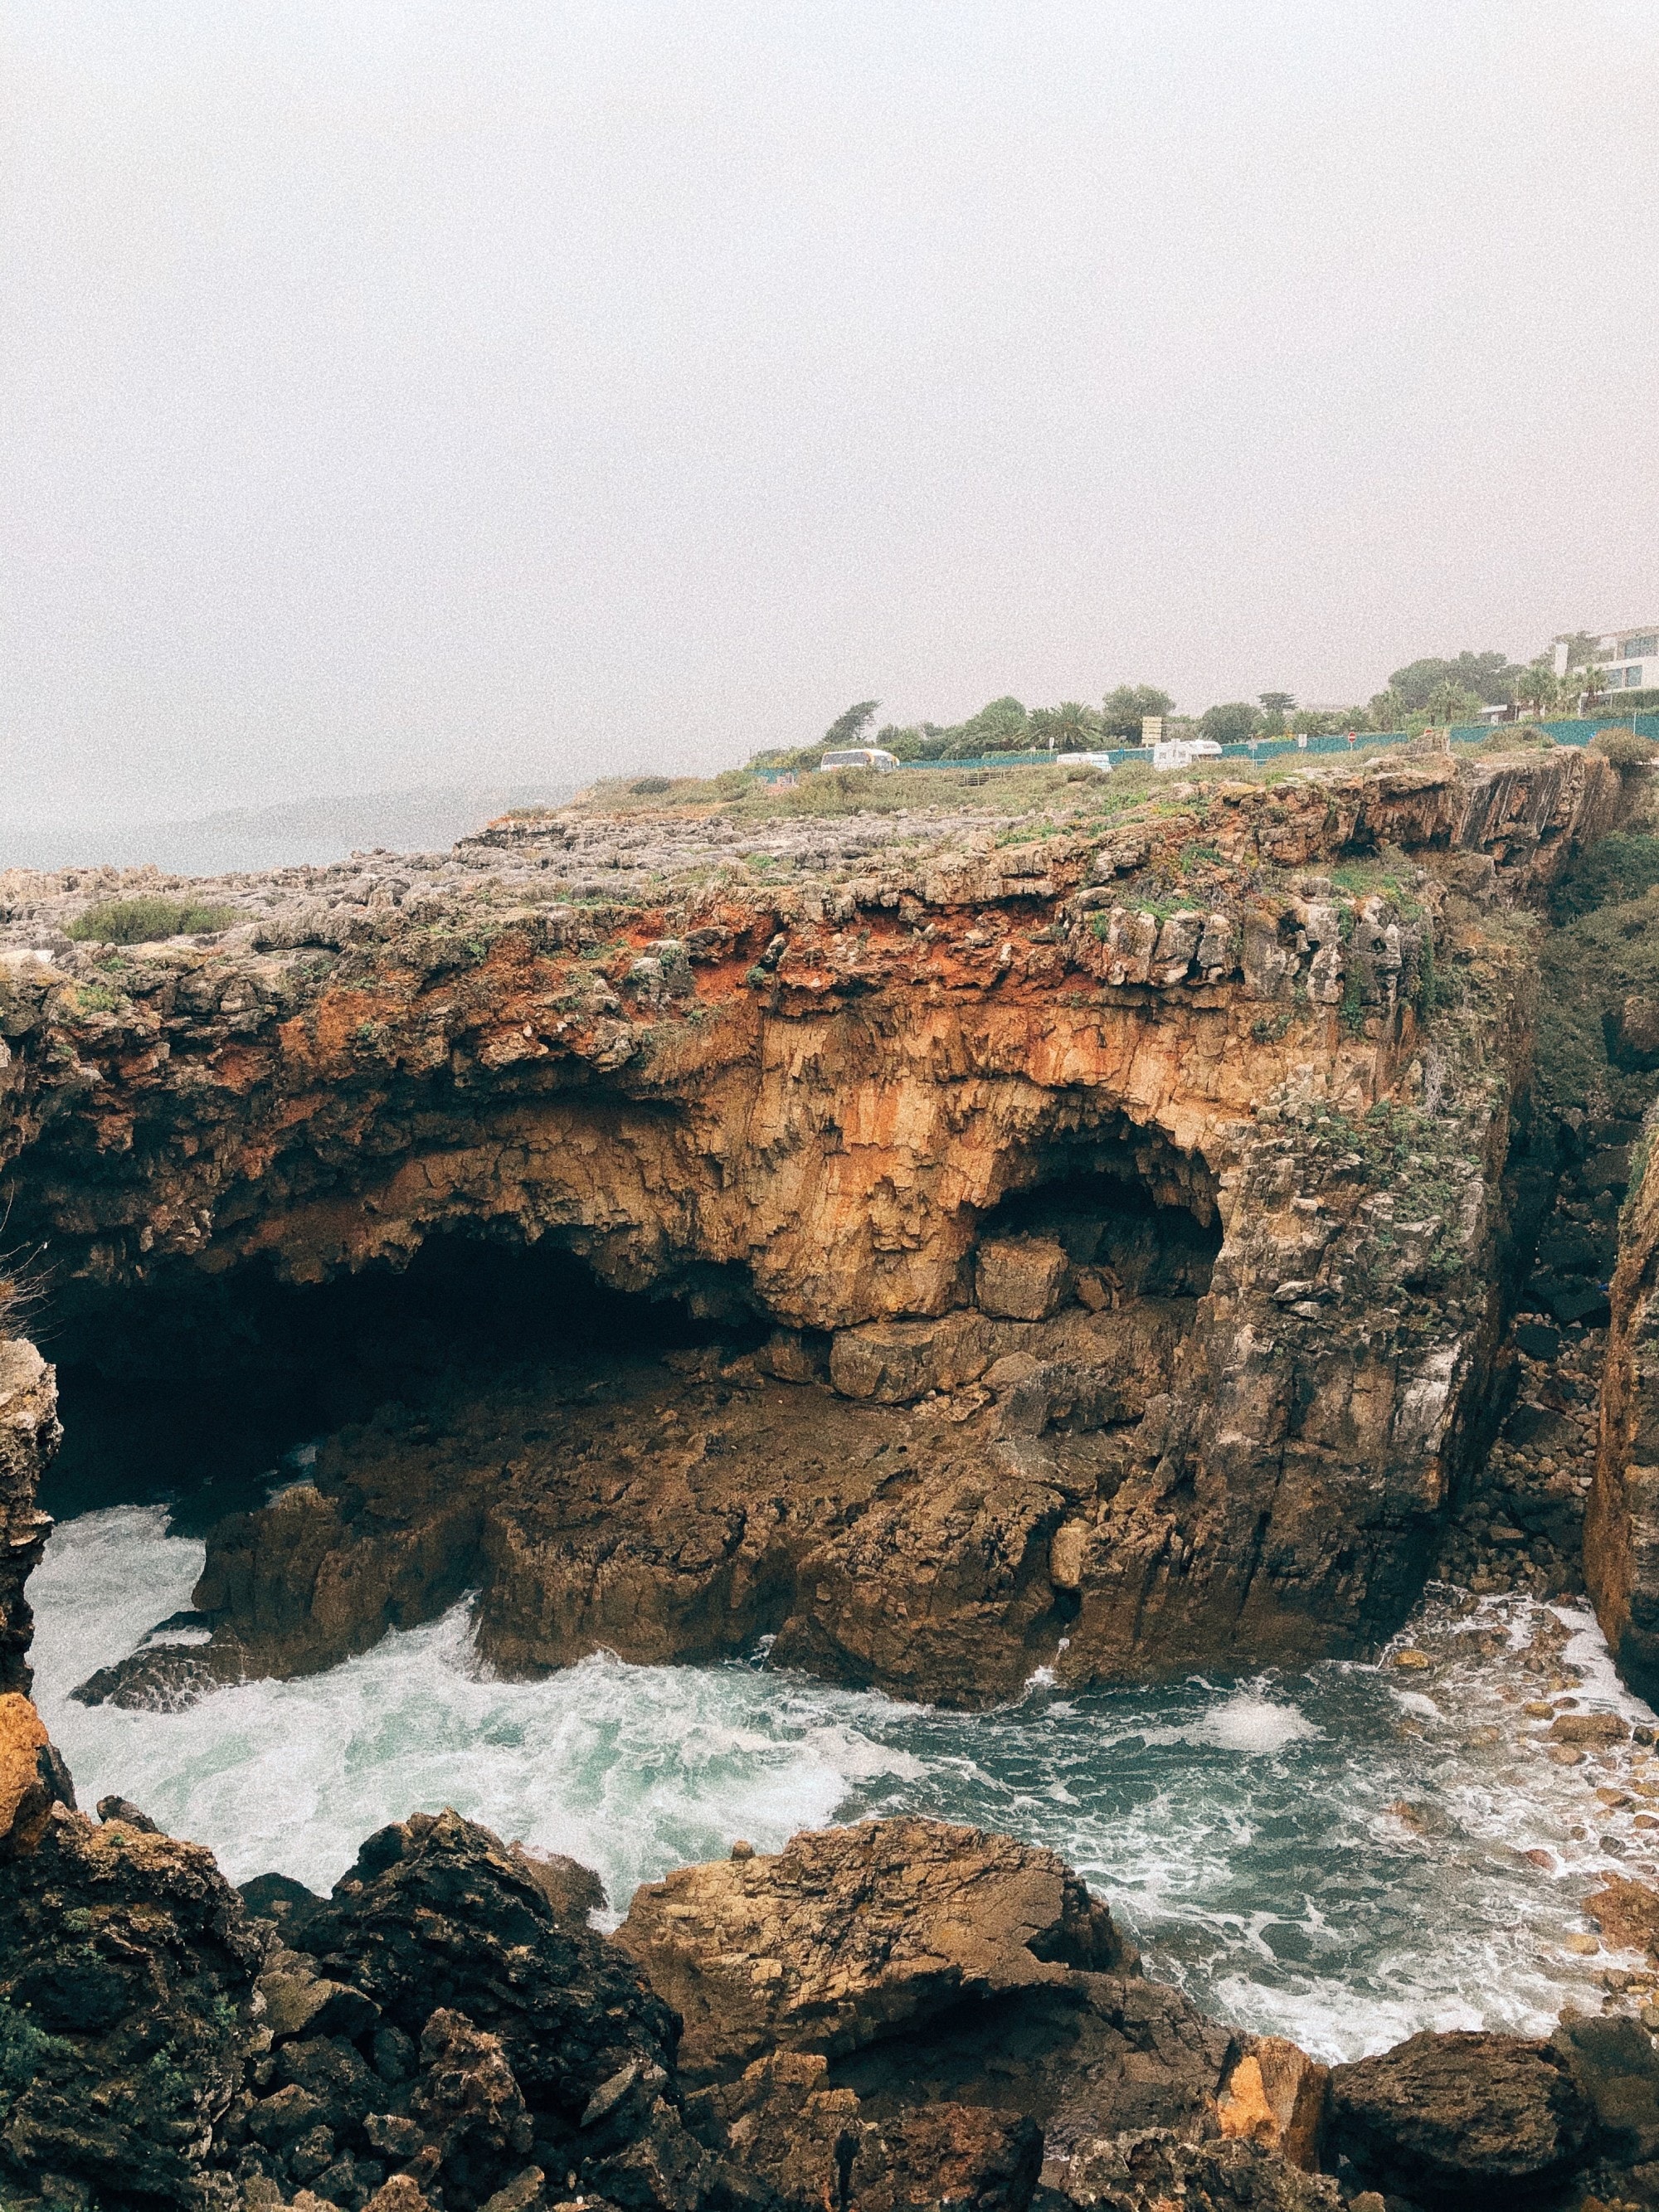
[
  {"x": 1467, "y": 2120},
  {"x": 1156, "y": 2172},
  {"x": 851, "y": 1934},
  {"x": 1589, "y": 1728},
  {"x": 1021, "y": 1277},
  {"x": 1614, "y": 2064},
  {"x": 29, "y": 1775},
  {"x": 439, "y": 1911},
  {"x": 1626, "y": 1912},
  {"x": 894, "y": 1362},
  {"x": 512, "y": 2034},
  {"x": 814, "y": 2145}
]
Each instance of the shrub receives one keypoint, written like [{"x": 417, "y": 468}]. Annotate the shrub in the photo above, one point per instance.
[
  {"x": 1624, "y": 749},
  {"x": 648, "y": 786},
  {"x": 143, "y": 920}
]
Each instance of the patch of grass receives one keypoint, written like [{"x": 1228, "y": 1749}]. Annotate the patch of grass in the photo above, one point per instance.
[{"x": 147, "y": 921}]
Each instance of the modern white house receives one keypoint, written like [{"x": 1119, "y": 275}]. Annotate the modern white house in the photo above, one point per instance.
[{"x": 1628, "y": 660}]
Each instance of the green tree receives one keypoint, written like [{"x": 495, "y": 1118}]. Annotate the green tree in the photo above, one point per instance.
[
  {"x": 1388, "y": 710},
  {"x": 1277, "y": 702},
  {"x": 849, "y": 729},
  {"x": 1538, "y": 686},
  {"x": 1234, "y": 723},
  {"x": 1490, "y": 677},
  {"x": 1122, "y": 710},
  {"x": 1583, "y": 651},
  {"x": 1001, "y": 726},
  {"x": 1071, "y": 727},
  {"x": 903, "y": 742},
  {"x": 1451, "y": 702}
]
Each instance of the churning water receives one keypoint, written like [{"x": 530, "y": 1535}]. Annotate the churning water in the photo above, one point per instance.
[{"x": 1335, "y": 1855}]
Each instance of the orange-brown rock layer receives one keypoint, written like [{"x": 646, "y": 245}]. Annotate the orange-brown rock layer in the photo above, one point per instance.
[{"x": 821, "y": 1102}]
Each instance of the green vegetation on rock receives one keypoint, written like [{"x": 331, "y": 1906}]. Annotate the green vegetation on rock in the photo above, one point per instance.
[
  {"x": 1598, "y": 1024},
  {"x": 146, "y": 921}
]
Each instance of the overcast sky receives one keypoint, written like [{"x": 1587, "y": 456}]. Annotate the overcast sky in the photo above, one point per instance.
[{"x": 399, "y": 393}]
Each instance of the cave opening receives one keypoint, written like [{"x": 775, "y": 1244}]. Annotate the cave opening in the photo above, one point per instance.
[
  {"x": 192, "y": 1389},
  {"x": 1102, "y": 1223}
]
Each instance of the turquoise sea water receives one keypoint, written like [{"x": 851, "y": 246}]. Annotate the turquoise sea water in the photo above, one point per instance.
[{"x": 1335, "y": 1855}]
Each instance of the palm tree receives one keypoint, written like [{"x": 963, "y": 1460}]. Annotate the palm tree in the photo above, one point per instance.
[
  {"x": 1449, "y": 702},
  {"x": 1071, "y": 727},
  {"x": 1538, "y": 686}
]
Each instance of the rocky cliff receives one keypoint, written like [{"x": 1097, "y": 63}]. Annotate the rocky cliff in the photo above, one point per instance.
[
  {"x": 1105, "y": 1205},
  {"x": 1621, "y": 1521}
]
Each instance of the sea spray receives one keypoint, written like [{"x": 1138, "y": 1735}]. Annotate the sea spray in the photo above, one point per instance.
[{"x": 1335, "y": 1855}]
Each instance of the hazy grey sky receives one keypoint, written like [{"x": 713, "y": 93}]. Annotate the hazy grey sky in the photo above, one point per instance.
[{"x": 402, "y": 393}]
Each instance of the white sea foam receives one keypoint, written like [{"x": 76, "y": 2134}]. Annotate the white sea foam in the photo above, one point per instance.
[
  {"x": 1249, "y": 1721},
  {"x": 1317, "y": 1856}
]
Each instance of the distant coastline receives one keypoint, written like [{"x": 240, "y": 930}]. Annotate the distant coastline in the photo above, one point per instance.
[{"x": 315, "y": 830}]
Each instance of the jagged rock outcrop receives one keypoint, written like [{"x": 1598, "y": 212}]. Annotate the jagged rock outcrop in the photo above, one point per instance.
[
  {"x": 28, "y": 1436},
  {"x": 127, "y": 2003},
  {"x": 1155, "y": 2172},
  {"x": 851, "y": 1935},
  {"x": 1621, "y": 1521},
  {"x": 1491, "y": 2121},
  {"x": 448, "y": 2013},
  {"x": 883, "y": 2018},
  {"x": 905, "y": 2014},
  {"x": 835, "y": 1992},
  {"x": 839, "y": 1103}
]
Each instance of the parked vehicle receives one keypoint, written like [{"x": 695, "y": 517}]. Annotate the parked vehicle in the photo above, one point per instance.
[
  {"x": 860, "y": 756},
  {"x": 1181, "y": 752}
]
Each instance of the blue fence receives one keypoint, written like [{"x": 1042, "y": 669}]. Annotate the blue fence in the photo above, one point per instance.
[{"x": 1579, "y": 730}]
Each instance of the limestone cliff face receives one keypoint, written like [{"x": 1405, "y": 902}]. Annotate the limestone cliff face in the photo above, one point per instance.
[
  {"x": 1621, "y": 1520},
  {"x": 815, "y": 1099},
  {"x": 28, "y": 1436}
]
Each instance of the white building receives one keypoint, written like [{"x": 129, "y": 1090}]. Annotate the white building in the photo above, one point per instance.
[{"x": 1627, "y": 659}]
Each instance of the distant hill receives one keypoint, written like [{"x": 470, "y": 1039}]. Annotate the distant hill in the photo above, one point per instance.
[{"x": 247, "y": 837}]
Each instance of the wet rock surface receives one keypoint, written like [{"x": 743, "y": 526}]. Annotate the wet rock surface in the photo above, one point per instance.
[
  {"x": 683, "y": 1509},
  {"x": 897, "y": 2015},
  {"x": 1464, "y": 2118}
]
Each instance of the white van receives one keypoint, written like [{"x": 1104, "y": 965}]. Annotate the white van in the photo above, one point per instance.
[
  {"x": 860, "y": 756},
  {"x": 1181, "y": 752}
]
